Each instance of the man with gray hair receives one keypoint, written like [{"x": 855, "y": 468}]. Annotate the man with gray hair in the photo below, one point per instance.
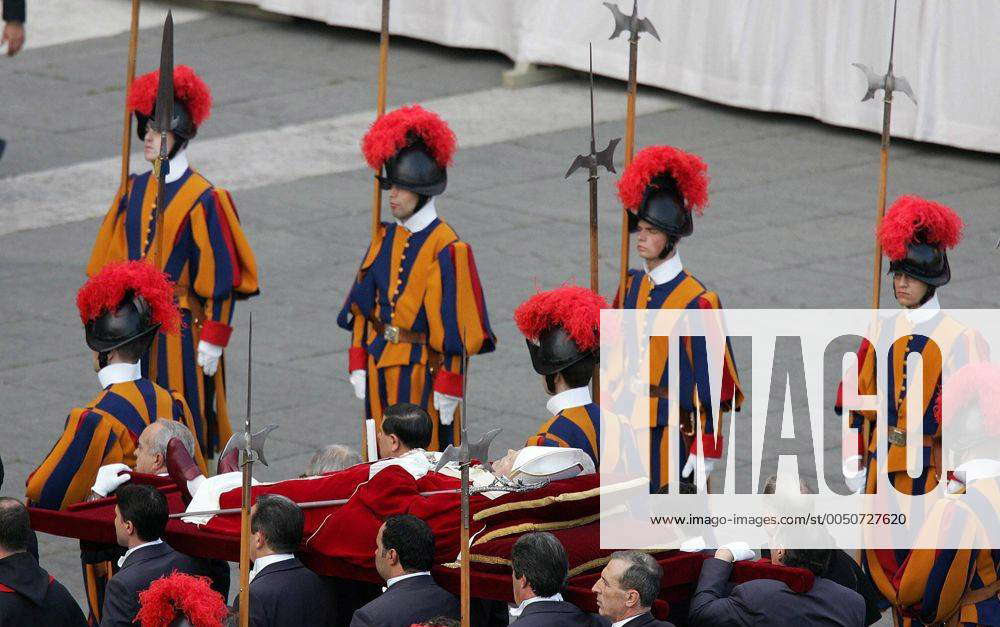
[
  {"x": 331, "y": 458},
  {"x": 150, "y": 455},
  {"x": 539, "y": 571},
  {"x": 627, "y": 588}
]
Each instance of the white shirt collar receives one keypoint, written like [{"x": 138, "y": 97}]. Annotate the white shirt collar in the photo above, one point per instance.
[
  {"x": 261, "y": 563},
  {"x": 574, "y": 397},
  {"x": 119, "y": 373},
  {"x": 924, "y": 312},
  {"x": 666, "y": 271},
  {"x": 393, "y": 580},
  {"x": 627, "y": 620},
  {"x": 178, "y": 166},
  {"x": 516, "y": 611},
  {"x": 121, "y": 560},
  {"x": 421, "y": 218}
]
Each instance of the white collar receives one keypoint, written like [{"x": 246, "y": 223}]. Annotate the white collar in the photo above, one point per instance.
[
  {"x": 666, "y": 271},
  {"x": 392, "y": 580},
  {"x": 261, "y": 563},
  {"x": 119, "y": 373},
  {"x": 178, "y": 166},
  {"x": 924, "y": 312},
  {"x": 121, "y": 560},
  {"x": 629, "y": 619},
  {"x": 516, "y": 611},
  {"x": 421, "y": 218},
  {"x": 573, "y": 397},
  {"x": 976, "y": 469}
]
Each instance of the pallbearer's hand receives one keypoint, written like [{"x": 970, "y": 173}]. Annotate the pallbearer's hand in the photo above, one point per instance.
[
  {"x": 208, "y": 357},
  {"x": 446, "y": 406},
  {"x": 359, "y": 379},
  {"x": 110, "y": 478}
]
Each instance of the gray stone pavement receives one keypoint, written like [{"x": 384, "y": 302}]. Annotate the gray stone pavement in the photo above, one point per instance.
[{"x": 789, "y": 224}]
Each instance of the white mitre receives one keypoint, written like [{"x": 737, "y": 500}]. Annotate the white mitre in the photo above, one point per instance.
[{"x": 537, "y": 464}]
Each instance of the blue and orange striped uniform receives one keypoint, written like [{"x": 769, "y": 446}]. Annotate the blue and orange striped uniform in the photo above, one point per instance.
[
  {"x": 954, "y": 346},
  {"x": 682, "y": 292},
  {"x": 928, "y": 585},
  {"x": 573, "y": 427},
  {"x": 106, "y": 431},
  {"x": 425, "y": 282},
  {"x": 208, "y": 257}
]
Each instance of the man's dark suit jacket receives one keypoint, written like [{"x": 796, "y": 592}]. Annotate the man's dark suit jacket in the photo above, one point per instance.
[
  {"x": 643, "y": 620},
  {"x": 771, "y": 602},
  {"x": 30, "y": 596},
  {"x": 409, "y": 601},
  {"x": 555, "y": 614},
  {"x": 287, "y": 594},
  {"x": 13, "y": 10},
  {"x": 141, "y": 568}
]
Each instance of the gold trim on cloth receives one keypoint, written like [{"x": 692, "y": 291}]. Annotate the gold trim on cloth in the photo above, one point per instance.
[{"x": 557, "y": 498}]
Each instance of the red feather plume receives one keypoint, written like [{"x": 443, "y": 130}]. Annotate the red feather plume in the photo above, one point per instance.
[
  {"x": 187, "y": 594},
  {"x": 576, "y": 309},
  {"x": 911, "y": 214},
  {"x": 106, "y": 290},
  {"x": 389, "y": 134},
  {"x": 188, "y": 88},
  {"x": 976, "y": 386},
  {"x": 689, "y": 170}
]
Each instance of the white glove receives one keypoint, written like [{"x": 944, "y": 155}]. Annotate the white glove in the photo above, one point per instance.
[
  {"x": 446, "y": 406},
  {"x": 693, "y": 545},
  {"x": 359, "y": 379},
  {"x": 108, "y": 478},
  {"x": 955, "y": 486},
  {"x": 690, "y": 466},
  {"x": 854, "y": 475},
  {"x": 740, "y": 550},
  {"x": 208, "y": 357}
]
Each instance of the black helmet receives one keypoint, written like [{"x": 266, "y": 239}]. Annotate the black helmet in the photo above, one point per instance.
[
  {"x": 181, "y": 122},
  {"x": 413, "y": 168},
  {"x": 924, "y": 262},
  {"x": 131, "y": 320},
  {"x": 663, "y": 207},
  {"x": 555, "y": 351}
]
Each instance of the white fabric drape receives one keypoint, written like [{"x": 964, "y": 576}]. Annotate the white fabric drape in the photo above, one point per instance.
[{"x": 791, "y": 56}]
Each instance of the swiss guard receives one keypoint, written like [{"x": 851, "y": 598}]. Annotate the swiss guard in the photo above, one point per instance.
[
  {"x": 957, "y": 583},
  {"x": 122, "y": 308},
  {"x": 662, "y": 189},
  {"x": 915, "y": 235},
  {"x": 561, "y": 328},
  {"x": 205, "y": 253},
  {"x": 416, "y": 306}
]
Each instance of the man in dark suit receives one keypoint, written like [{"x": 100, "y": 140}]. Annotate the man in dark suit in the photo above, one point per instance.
[
  {"x": 28, "y": 595},
  {"x": 771, "y": 602},
  {"x": 404, "y": 555},
  {"x": 140, "y": 519},
  {"x": 283, "y": 592},
  {"x": 627, "y": 588},
  {"x": 540, "y": 569}
]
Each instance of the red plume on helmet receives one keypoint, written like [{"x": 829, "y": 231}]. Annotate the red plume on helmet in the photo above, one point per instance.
[
  {"x": 974, "y": 386},
  {"x": 911, "y": 216},
  {"x": 185, "y": 594},
  {"x": 576, "y": 309},
  {"x": 107, "y": 289},
  {"x": 188, "y": 88},
  {"x": 689, "y": 170},
  {"x": 391, "y": 132}
]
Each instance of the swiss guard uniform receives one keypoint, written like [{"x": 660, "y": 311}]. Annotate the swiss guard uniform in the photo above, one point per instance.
[
  {"x": 663, "y": 186},
  {"x": 959, "y": 586},
  {"x": 206, "y": 255},
  {"x": 915, "y": 235},
  {"x": 416, "y": 304},
  {"x": 561, "y": 329},
  {"x": 125, "y": 304}
]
